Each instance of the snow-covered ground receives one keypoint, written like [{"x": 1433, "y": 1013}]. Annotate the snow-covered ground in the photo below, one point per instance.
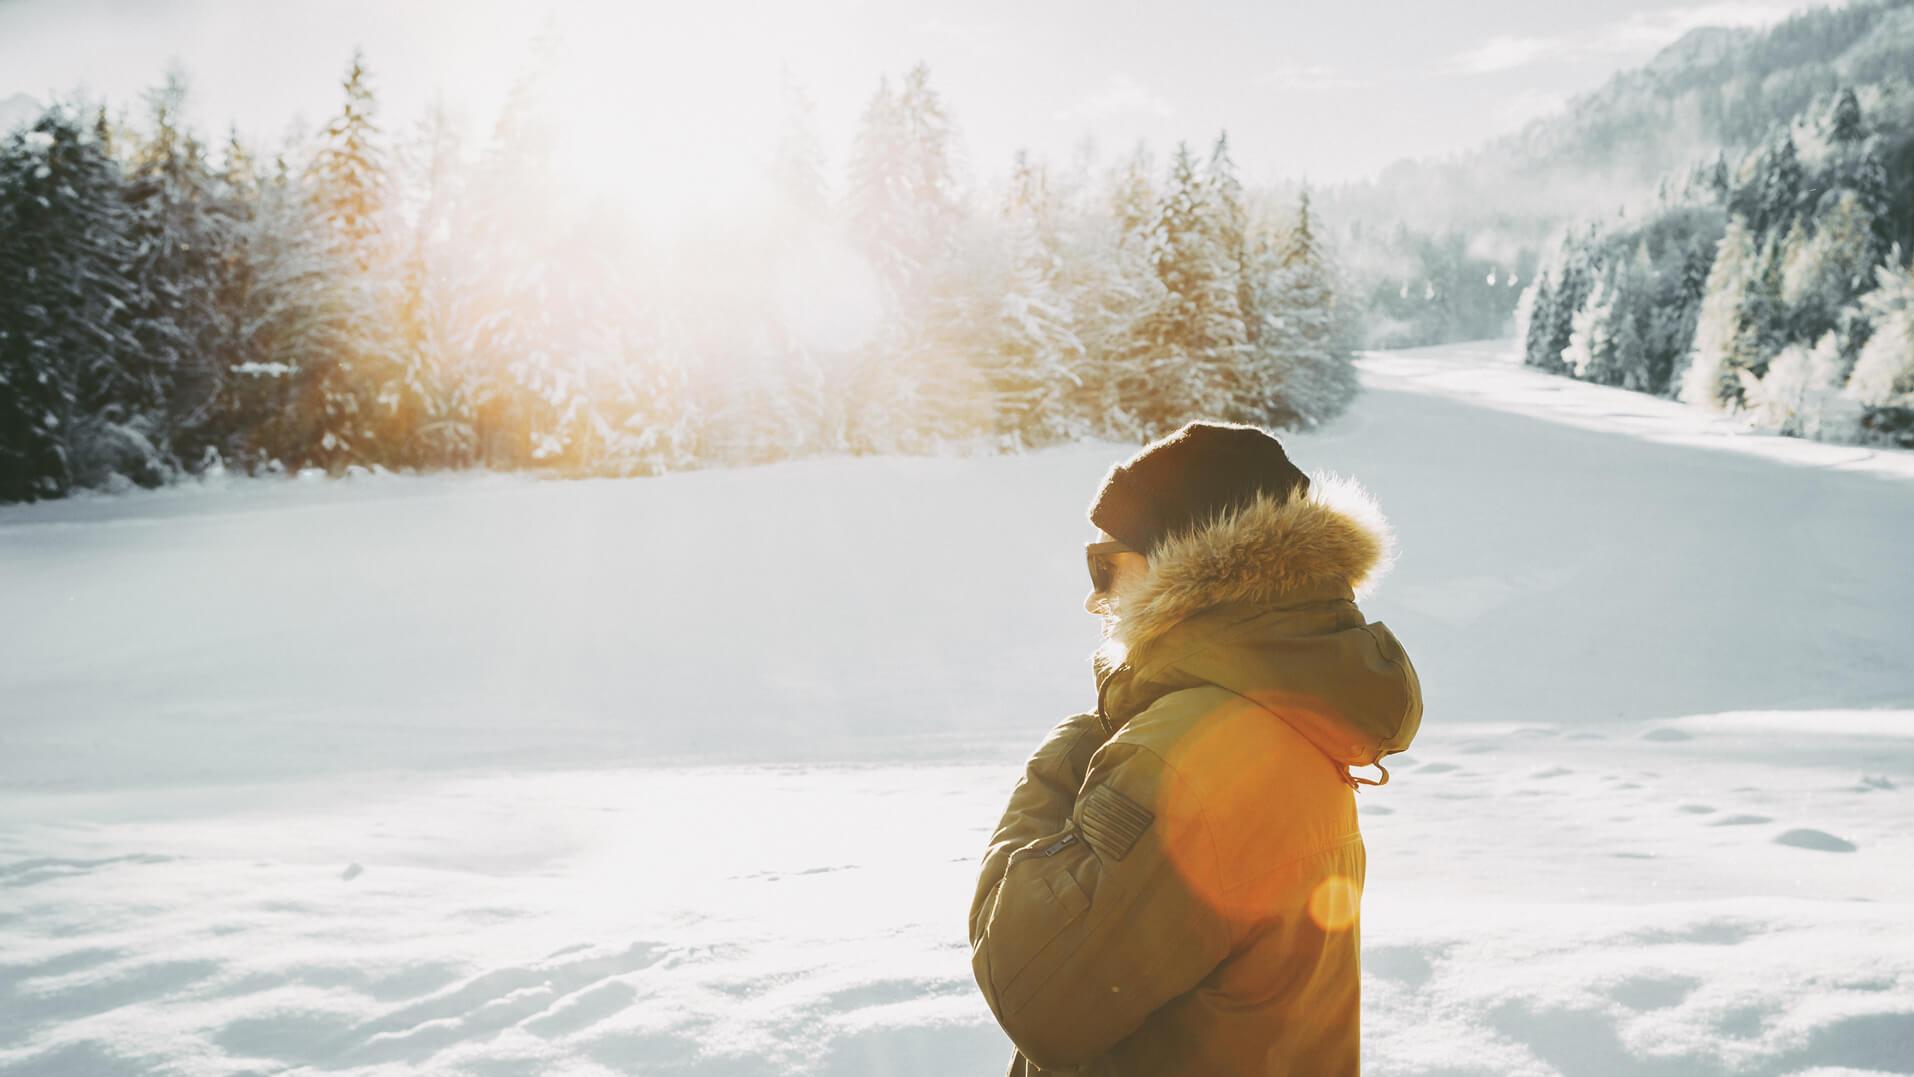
[{"x": 689, "y": 775}]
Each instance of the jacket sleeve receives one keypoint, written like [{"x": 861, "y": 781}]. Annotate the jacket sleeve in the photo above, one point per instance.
[
  {"x": 1100, "y": 922},
  {"x": 1040, "y": 804}
]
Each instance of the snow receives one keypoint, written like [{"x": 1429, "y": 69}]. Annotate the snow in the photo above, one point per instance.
[{"x": 689, "y": 774}]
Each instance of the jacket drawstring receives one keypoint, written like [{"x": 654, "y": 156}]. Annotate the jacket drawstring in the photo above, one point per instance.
[{"x": 1357, "y": 783}]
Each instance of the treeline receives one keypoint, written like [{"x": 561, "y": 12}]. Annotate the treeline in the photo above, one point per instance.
[
  {"x": 365, "y": 299},
  {"x": 1777, "y": 287}
]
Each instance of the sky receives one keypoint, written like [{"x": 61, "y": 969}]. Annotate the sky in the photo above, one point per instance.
[{"x": 681, "y": 102}]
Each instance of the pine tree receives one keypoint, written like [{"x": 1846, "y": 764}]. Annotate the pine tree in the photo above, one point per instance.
[
  {"x": 1037, "y": 351},
  {"x": 1884, "y": 374},
  {"x": 70, "y": 403},
  {"x": 903, "y": 200},
  {"x": 1844, "y": 118},
  {"x": 1538, "y": 320},
  {"x": 348, "y": 173},
  {"x": 350, "y": 187},
  {"x": 1133, "y": 196},
  {"x": 292, "y": 320},
  {"x": 918, "y": 381},
  {"x": 1197, "y": 334},
  {"x": 1305, "y": 376},
  {"x": 1107, "y": 272},
  {"x": 1729, "y": 335},
  {"x": 1823, "y": 274},
  {"x": 1570, "y": 294},
  {"x": 1590, "y": 354},
  {"x": 1223, "y": 195},
  {"x": 183, "y": 227},
  {"x": 428, "y": 412}
]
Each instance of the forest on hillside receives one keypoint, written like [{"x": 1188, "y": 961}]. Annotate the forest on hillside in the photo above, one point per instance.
[
  {"x": 1779, "y": 287},
  {"x": 372, "y": 298},
  {"x": 1441, "y": 250}
]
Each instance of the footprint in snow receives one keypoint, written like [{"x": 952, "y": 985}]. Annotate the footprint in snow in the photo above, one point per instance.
[
  {"x": 1696, "y": 809},
  {"x": 1815, "y": 839},
  {"x": 1740, "y": 819},
  {"x": 353, "y": 871},
  {"x": 1439, "y": 768},
  {"x": 1552, "y": 772},
  {"x": 1667, "y": 733}
]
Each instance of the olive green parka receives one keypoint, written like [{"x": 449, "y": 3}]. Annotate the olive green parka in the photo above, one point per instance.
[{"x": 1175, "y": 886}]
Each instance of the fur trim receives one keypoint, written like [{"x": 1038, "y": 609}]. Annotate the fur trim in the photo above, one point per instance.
[{"x": 1335, "y": 533}]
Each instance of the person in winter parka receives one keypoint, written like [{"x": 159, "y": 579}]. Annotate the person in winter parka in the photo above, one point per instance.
[{"x": 1175, "y": 885}]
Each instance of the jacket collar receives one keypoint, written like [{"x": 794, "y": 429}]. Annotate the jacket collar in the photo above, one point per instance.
[{"x": 1268, "y": 554}]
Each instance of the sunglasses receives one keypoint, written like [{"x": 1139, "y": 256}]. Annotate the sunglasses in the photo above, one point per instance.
[{"x": 1101, "y": 557}]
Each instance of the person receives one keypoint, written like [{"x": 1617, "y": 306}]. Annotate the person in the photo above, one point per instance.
[{"x": 1175, "y": 886}]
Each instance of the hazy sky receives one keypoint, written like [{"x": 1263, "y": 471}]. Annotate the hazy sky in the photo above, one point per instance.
[{"x": 682, "y": 98}]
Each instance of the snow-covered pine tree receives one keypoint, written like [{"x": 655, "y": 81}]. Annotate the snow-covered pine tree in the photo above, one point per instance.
[
  {"x": 1590, "y": 354},
  {"x": 1229, "y": 225},
  {"x": 1106, "y": 273},
  {"x": 1627, "y": 341},
  {"x": 1534, "y": 316},
  {"x": 1571, "y": 290},
  {"x": 930, "y": 177},
  {"x": 1133, "y": 197},
  {"x": 429, "y": 411},
  {"x": 1883, "y": 377},
  {"x": 1307, "y": 364},
  {"x": 1723, "y": 342},
  {"x": 1196, "y": 335},
  {"x": 348, "y": 173},
  {"x": 350, "y": 186},
  {"x": 291, "y": 320},
  {"x": 184, "y": 233},
  {"x": 68, "y": 406},
  {"x": 1032, "y": 367},
  {"x": 878, "y": 191},
  {"x": 917, "y": 382},
  {"x": 1822, "y": 275},
  {"x": 1772, "y": 191}
]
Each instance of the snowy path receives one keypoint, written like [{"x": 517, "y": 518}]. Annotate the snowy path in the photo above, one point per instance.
[{"x": 475, "y": 776}]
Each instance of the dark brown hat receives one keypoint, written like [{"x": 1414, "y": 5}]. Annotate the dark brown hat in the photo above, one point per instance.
[{"x": 1187, "y": 478}]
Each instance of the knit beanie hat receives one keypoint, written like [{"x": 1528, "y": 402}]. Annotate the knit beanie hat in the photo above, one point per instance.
[{"x": 1189, "y": 477}]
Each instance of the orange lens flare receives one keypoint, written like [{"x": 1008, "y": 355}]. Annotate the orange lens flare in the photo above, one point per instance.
[{"x": 1334, "y": 904}]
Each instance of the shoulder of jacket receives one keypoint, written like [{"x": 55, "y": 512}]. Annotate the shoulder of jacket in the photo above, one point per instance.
[{"x": 1178, "y": 716}]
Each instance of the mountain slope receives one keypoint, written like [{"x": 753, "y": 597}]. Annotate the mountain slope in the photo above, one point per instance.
[{"x": 1423, "y": 239}]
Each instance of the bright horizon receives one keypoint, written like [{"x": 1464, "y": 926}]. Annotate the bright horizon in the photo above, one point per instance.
[{"x": 1312, "y": 93}]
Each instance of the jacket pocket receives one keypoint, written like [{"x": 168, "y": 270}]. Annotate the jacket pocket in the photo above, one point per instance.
[{"x": 1038, "y": 900}]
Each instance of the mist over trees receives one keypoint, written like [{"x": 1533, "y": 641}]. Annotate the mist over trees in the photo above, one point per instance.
[
  {"x": 380, "y": 295},
  {"x": 1440, "y": 250}
]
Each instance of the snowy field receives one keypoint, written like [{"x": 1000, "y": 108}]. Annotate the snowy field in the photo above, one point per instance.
[{"x": 689, "y": 775}]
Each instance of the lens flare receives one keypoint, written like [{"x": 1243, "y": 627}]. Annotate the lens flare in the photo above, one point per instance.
[{"x": 1334, "y": 904}]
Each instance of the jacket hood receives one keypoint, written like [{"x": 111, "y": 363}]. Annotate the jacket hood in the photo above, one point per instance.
[{"x": 1261, "y": 602}]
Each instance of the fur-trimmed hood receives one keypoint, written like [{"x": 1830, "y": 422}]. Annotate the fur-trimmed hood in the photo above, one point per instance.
[
  {"x": 1261, "y": 603},
  {"x": 1270, "y": 549}
]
